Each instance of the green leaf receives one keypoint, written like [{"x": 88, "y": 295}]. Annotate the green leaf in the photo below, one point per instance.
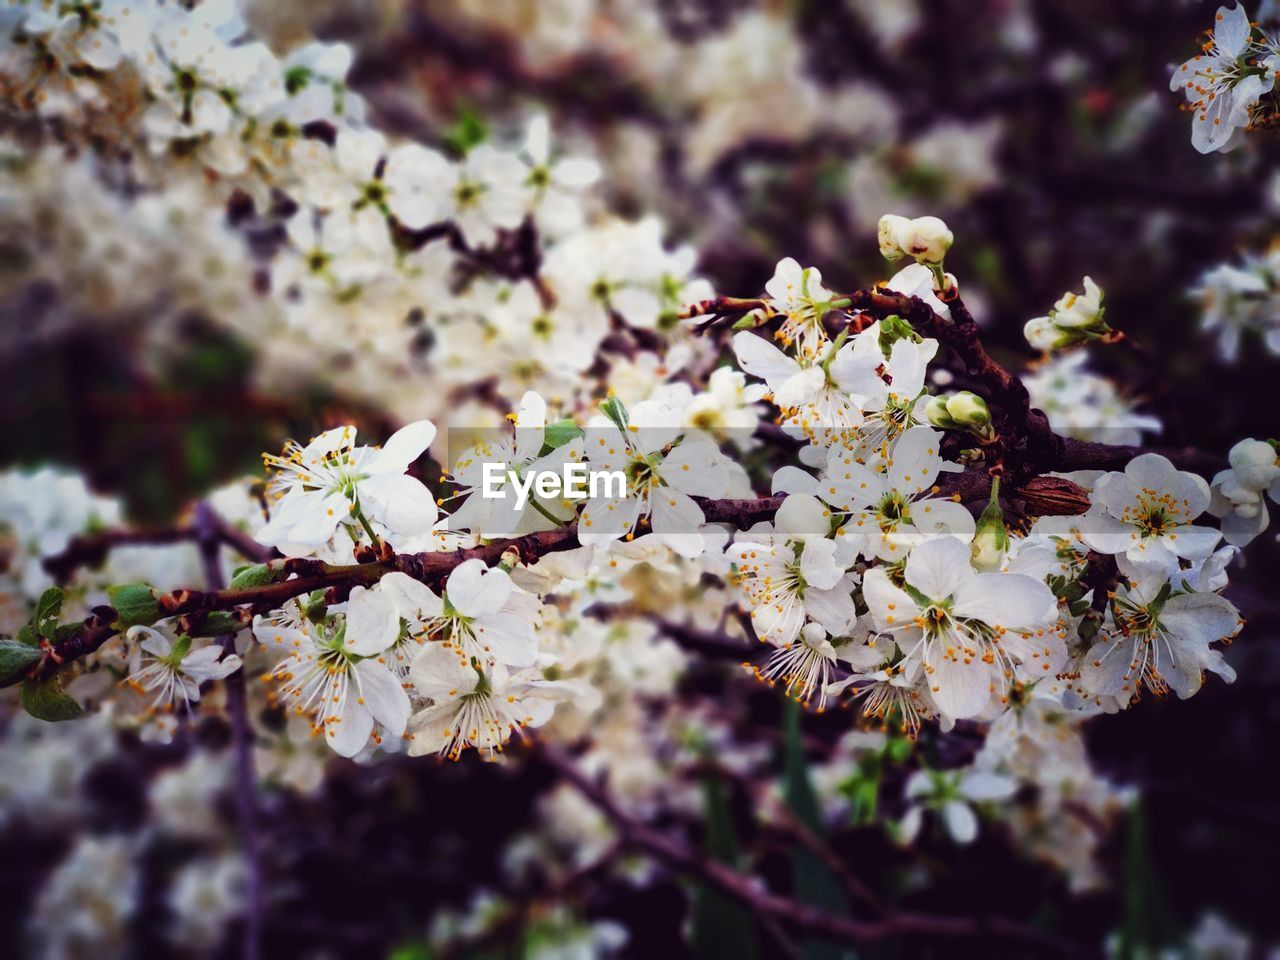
[
  {"x": 255, "y": 575},
  {"x": 181, "y": 647},
  {"x": 27, "y": 634},
  {"x": 46, "y": 700},
  {"x": 892, "y": 329},
  {"x": 218, "y": 624},
  {"x": 814, "y": 883},
  {"x": 134, "y": 603},
  {"x": 468, "y": 131},
  {"x": 47, "y": 609},
  {"x": 16, "y": 659},
  {"x": 613, "y": 408},
  {"x": 721, "y": 927},
  {"x": 559, "y": 433}
]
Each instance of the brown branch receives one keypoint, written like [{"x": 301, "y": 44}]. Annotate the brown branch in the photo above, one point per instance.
[
  {"x": 785, "y": 911},
  {"x": 210, "y": 536},
  {"x": 1027, "y": 446},
  {"x": 91, "y": 550},
  {"x": 308, "y": 575}
]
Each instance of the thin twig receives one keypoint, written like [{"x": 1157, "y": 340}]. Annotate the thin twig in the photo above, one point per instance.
[
  {"x": 786, "y": 911},
  {"x": 209, "y": 538}
]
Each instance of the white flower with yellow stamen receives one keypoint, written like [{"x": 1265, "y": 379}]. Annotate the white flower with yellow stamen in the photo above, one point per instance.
[
  {"x": 482, "y": 614},
  {"x": 813, "y": 400},
  {"x": 170, "y": 670},
  {"x": 1223, "y": 83},
  {"x": 665, "y": 465},
  {"x": 962, "y": 627},
  {"x": 793, "y": 571},
  {"x": 331, "y": 482},
  {"x": 474, "y": 707},
  {"x": 1146, "y": 514},
  {"x": 887, "y": 513},
  {"x": 1159, "y": 639},
  {"x": 337, "y": 672},
  {"x": 798, "y": 293}
]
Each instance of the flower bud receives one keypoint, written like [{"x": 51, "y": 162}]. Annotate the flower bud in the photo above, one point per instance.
[
  {"x": 1255, "y": 463},
  {"x": 935, "y": 412},
  {"x": 1043, "y": 334},
  {"x": 990, "y": 538},
  {"x": 969, "y": 409},
  {"x": 1079, "y": 311},
  {"x": 1052, "y": 495},
  {"x": 891, "y": 227},
  {"x": 926, "y": 238}
]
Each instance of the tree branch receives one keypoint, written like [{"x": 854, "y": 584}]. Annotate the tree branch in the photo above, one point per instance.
[
  {"x": 209, "y": 535},
  {"x": 787, "y": 912}
]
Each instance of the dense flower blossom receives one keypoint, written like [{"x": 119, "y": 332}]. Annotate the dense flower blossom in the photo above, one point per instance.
[{"x": 242, "y": 183}]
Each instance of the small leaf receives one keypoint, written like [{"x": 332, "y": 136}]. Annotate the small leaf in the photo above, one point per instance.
[
  {"x": 16, "y": 659},
  {"x": 47, "y": 609},
  {"x": 721, "y": 927},
  {"x": 813, "y": 880},
  {"x": 218, "y": 624},
  {"x": 559, "y": 433},
  {"x": 46, "y": 700},
  {"x": 181, "y": 647},
  {"x": 614, "y": 409},
  {"x": 255, "y": 575},
  {"x": 134, "y": 603}
]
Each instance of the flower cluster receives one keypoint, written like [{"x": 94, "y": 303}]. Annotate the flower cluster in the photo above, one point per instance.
[{"x": 849, "y": 478}]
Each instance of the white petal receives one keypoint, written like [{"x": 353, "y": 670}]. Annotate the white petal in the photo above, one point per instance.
[
  {"x": 474, "y": 590},
  {"x": 372, "y": 622},
  {"x": 383, "y": 696}
]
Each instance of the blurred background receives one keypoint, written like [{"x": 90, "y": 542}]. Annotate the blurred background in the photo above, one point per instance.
[{"x": 1042, "y": 132}]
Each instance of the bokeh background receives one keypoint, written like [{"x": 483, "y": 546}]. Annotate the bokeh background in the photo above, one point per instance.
[{"x": 1043, "y": 133}]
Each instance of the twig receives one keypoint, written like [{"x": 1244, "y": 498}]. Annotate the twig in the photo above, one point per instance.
[
  {"x": 210, "y": 536},
  {"x": 786, "y": 911},
  {"x": 91, "y": 550}
]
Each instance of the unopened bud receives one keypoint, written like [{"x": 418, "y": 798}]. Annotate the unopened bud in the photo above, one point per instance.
[
  {"x": 891, "y": 227},
  {"x": 926, "y": 238},
  {"x": 936, "y": 413},
  {"x": 1057, "y": 496},
  {"x": 990, "y": 538},
  {"x": 1255, "y": 463},
  {"x": 1043, "y": 334},
  {"x": 968, "y": 409}
]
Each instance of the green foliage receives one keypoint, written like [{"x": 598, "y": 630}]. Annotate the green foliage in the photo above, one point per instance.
[
  {"x": 135, "y": 604},
  {"x": 559, "y": 433},
  {"x": 467, "y": 132},
  {"x": 255, "y": 575},
  {"x": 814, "y": 882},
  {"x": 46, "y": 700},
  {"x": 218, "y": 624},
  {"x": 613, "y": 408},
  {"x": 16, "y": 658},
  {"x": 48, "y": 607},
  {"x": 721, "y": 927}
]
